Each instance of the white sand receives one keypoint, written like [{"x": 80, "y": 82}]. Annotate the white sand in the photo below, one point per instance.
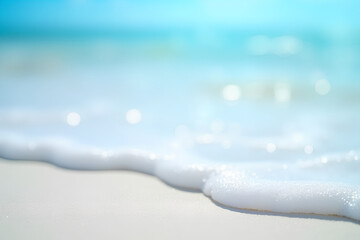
[{"x": 40, "y": 201}]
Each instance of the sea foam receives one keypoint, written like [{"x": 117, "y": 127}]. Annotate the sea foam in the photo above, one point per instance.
[{"x": 245, "y": 185}]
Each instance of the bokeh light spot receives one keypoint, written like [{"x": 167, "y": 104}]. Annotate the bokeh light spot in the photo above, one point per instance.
[
  {"x": 271, "y": 147},
  {"x": 73, "y": 119},
  {"x": 322, "y": 86},
  {"x": 133, "y": 116},
  {"x": 231, "y": 92},
  {"x": 308, "y": 149}
]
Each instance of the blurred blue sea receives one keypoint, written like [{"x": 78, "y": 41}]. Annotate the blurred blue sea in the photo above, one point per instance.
[
  {"x": 262, "y": 70},
  {"x": 276, "y": 38}
]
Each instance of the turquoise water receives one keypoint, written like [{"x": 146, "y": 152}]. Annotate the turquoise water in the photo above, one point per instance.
[{"x": 177, "y": 78}]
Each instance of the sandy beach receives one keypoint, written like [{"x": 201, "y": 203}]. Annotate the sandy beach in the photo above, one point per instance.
[{"x": 40, "y": 201}]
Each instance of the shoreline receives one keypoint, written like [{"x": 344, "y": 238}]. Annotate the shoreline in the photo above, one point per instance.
[{"x": 45, "y": 202}]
